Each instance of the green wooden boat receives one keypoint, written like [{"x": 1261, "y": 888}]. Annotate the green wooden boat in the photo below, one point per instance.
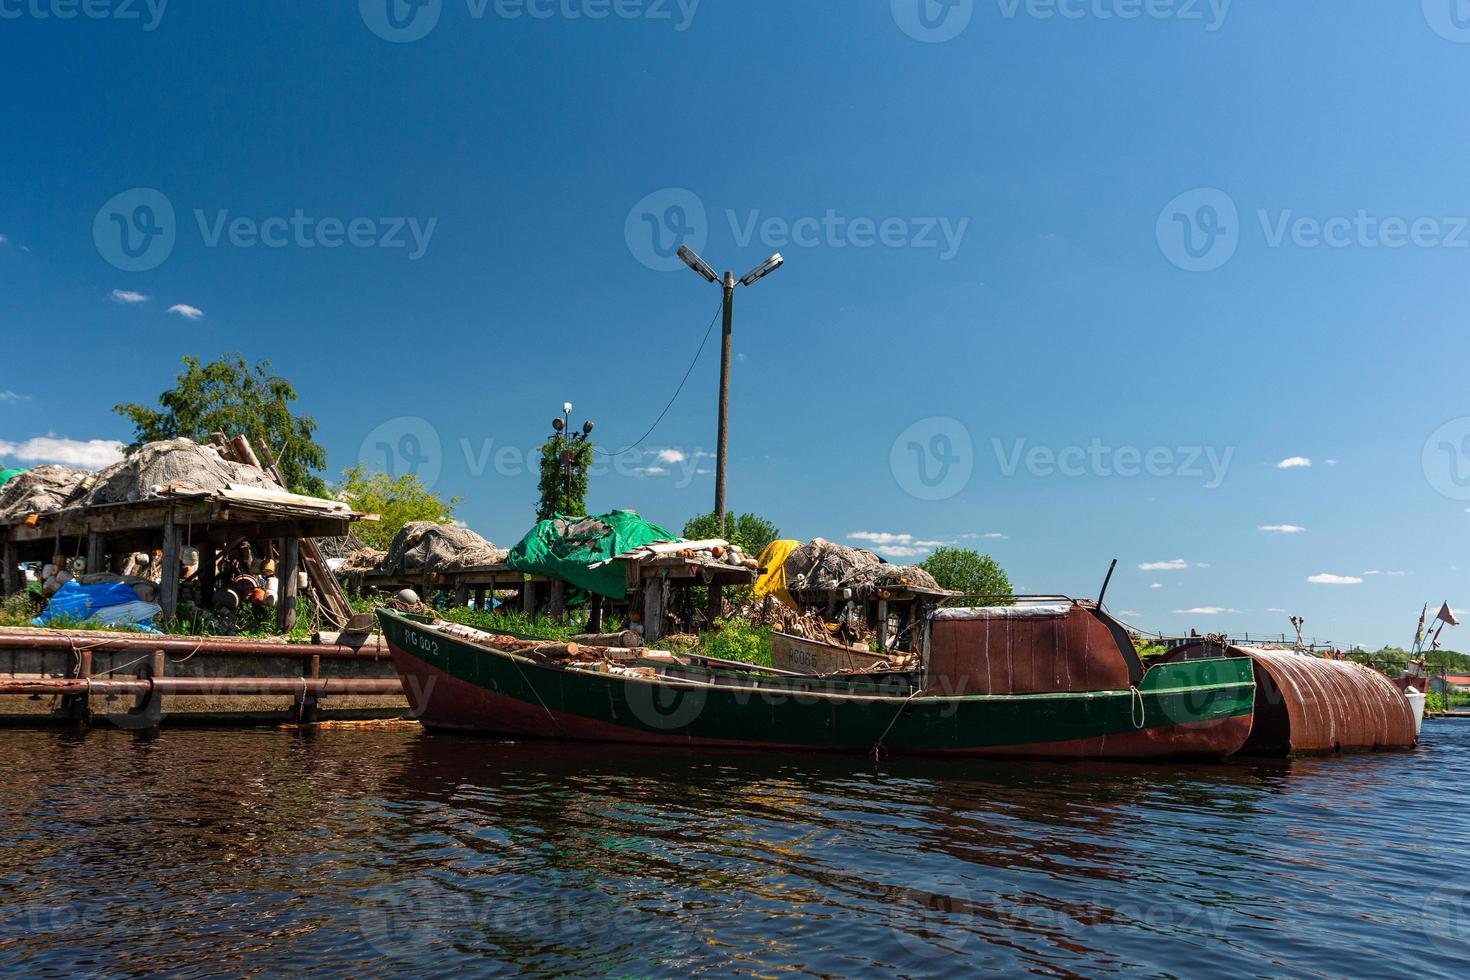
[{"x": 1037, "y": 698}]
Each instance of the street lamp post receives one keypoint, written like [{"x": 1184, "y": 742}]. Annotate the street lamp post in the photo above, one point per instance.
[
  {"x": 707, "y": 273},
  {"x": 562, "y": 426}
]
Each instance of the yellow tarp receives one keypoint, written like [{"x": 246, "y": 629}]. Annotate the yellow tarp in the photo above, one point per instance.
[{"x": 772, "y": 580}]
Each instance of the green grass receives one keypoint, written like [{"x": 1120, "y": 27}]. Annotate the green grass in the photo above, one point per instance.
[
  {"x": 736, "y": 639},
  {"x": 508, "y": 621}
]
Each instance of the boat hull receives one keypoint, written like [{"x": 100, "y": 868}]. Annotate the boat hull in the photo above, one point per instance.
[{"x": 1196, "y": 710}]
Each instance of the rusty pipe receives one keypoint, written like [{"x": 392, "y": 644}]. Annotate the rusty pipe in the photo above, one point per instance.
[
  {"x": 179, "y": 645},
  {"x": 212, "y": 686}
]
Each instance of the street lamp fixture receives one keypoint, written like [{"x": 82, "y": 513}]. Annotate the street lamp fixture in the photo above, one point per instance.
[{"x": 707, "y": 273}]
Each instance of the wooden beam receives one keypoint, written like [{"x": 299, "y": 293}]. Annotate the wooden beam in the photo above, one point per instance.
[
  {"x": 558, "y": 598},
  {"x": 882, "y": 625},
  {"x": 653, "y": 610},
  {"x": 287, "y": 569},
  {"x": 169, "y": 587},
  {"x": 206, "y": 574},
  {"x": 12, "y": 579},
  {"x": 594, "y": 614},
  {"x": 461, "y": 593},
  {"x": 528, "y": 597},
  {"x": 96, "y": 553}
]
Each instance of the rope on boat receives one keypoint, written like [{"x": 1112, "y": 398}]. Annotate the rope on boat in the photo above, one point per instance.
[
  {"x": 1136, "y": 711},
  {"x": 878, "y": 746}
]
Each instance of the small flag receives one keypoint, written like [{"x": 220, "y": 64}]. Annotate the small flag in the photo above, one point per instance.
[
  {"x": 1447, "y": 615},
  {"x": 1419, "y": 633}
]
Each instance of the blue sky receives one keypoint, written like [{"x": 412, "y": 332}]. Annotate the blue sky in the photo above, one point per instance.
[{"x": 1077, "y": 275}]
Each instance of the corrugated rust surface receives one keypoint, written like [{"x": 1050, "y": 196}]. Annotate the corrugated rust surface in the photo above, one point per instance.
[
  {"x": 1310, "y": 704},
  {"x": 1013, "y": 650}
]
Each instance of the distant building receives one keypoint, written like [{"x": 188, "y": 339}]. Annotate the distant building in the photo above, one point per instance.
[{"x": 1456, "y": 683}]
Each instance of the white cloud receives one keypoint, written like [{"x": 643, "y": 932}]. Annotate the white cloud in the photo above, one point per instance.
[
  {"x": 670, "y": 456},
  {"x": 90, "y": 454},
  {"x": 1205, "y": 611},
  {"x": 1273, "y": 609},
  {"x": 1157, "y": 585},
  {"x": 1164, "y": 566},
  {"x": 653, "y": 471},
  {"x": 128, "y": 296},
  {"x": 1129, "y": 612},
  {"x": 896, "y": 543},
  {"x": 1327, "y": 578},
  {"x": 1293, "y": 463},
  {"x": 186, "y": 311},
  {"x": 1375, "y": 571},
  {"x": 1282, "y": 528},
  {"x": 4, "y": 240},
  {"x": 1330, "y": 462},
  {"x": 994, "y": 536},
  {"x": 12, "y": 396}
]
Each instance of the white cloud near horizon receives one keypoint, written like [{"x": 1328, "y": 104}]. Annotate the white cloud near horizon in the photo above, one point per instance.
[
  {"x": 126, "y": 296},
  {"x": 13, "y": 396},
  {"x": 1294, "y": 463},
  {"x": 897, "y": 545},
  {"x": 1282, "y": 528},
  {"x": 670, "y": 456},
  {"x": 186, "y": 311},
  {"x": 1326, "y": 578},
  {"x": 87, "y": 454},
  {"x": 1205, "y": 611},
  {"x": 1164, "y": 566}
]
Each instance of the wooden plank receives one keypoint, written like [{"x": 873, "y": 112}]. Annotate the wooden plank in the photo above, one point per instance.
[
  {"x": 528, "y": 597},
  {"x": 12, "y": 582},
  {"x": 461, "y": 593},
  {"x": 169, "y": 588},
  {"x": 558, "y": 598},
  {"x": 288, "y": 569},
  {"x": 207, "y": 560},
  {"x": 653, "y": 611},
  {"x": 96, "y": 552}
]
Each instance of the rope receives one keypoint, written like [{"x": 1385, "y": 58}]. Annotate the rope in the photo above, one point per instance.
[
  {"x": 1137, "y": 713},
  {"x": 878, "y": 746},
  {"x": 675, "y": 395}
]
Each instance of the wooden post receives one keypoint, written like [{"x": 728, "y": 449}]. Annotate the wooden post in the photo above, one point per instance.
[
  {"x": 558, "y": 598},
  {"x": 287, "y": 569},
  {"x": 714, "y": 606},
  {"x": 594, "y": 614},
  {"x": 882, "y": 625},
  {"x": 480, "y": 598},
  {"x": 528, "y": 597},
  {"x": 12, "y": 580},
  {"x": 96, "y": 553},
  {"x": 206, "y": 574},
  {"x": 461, "y": 594},
  {"x": 653, "y": 610},
  {"x": 168, "y": 590}
]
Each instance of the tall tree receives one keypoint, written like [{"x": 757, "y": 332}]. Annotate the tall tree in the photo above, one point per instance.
[
  {"x": 396, "y": 500},
  {"x": 231, "y": 396},
  {"x": 750, "y": 531},
  {"x": 963, "y": 570},
  {"x": 565, "y": 461}
]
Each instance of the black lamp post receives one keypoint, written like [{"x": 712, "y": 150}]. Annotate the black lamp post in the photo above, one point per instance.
[{"x": 568, "y": 455}]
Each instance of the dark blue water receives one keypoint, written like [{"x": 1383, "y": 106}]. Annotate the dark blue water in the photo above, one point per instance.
[{"x": 362, "y": 852}]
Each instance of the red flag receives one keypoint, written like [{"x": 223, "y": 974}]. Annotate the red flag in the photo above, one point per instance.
[{"x": 1447, "y": 615}]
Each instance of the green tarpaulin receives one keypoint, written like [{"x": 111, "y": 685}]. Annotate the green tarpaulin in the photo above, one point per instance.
[
  {"x": 7, "y": 475},
  {"x": 567, "y": 547}
]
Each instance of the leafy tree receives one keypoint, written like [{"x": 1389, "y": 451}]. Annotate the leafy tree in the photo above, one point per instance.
[
  {"x": 560, "y": 495},
  {"x": 751, "y": 532},
  {"x": 396, "y": 500},
  {"x": 963, "y": 570},
  {"x": 231, "y": 396}
]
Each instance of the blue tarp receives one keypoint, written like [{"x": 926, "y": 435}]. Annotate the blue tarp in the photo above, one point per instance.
[{"x": 74, "y": 603}]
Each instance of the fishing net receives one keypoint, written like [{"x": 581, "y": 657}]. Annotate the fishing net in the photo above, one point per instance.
[
  {"x": 423, "y": 546},
  {"x": 819, "y": 566},
  {"x": 178, "y": 463},
  {"x": 36, "y": 491}
]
